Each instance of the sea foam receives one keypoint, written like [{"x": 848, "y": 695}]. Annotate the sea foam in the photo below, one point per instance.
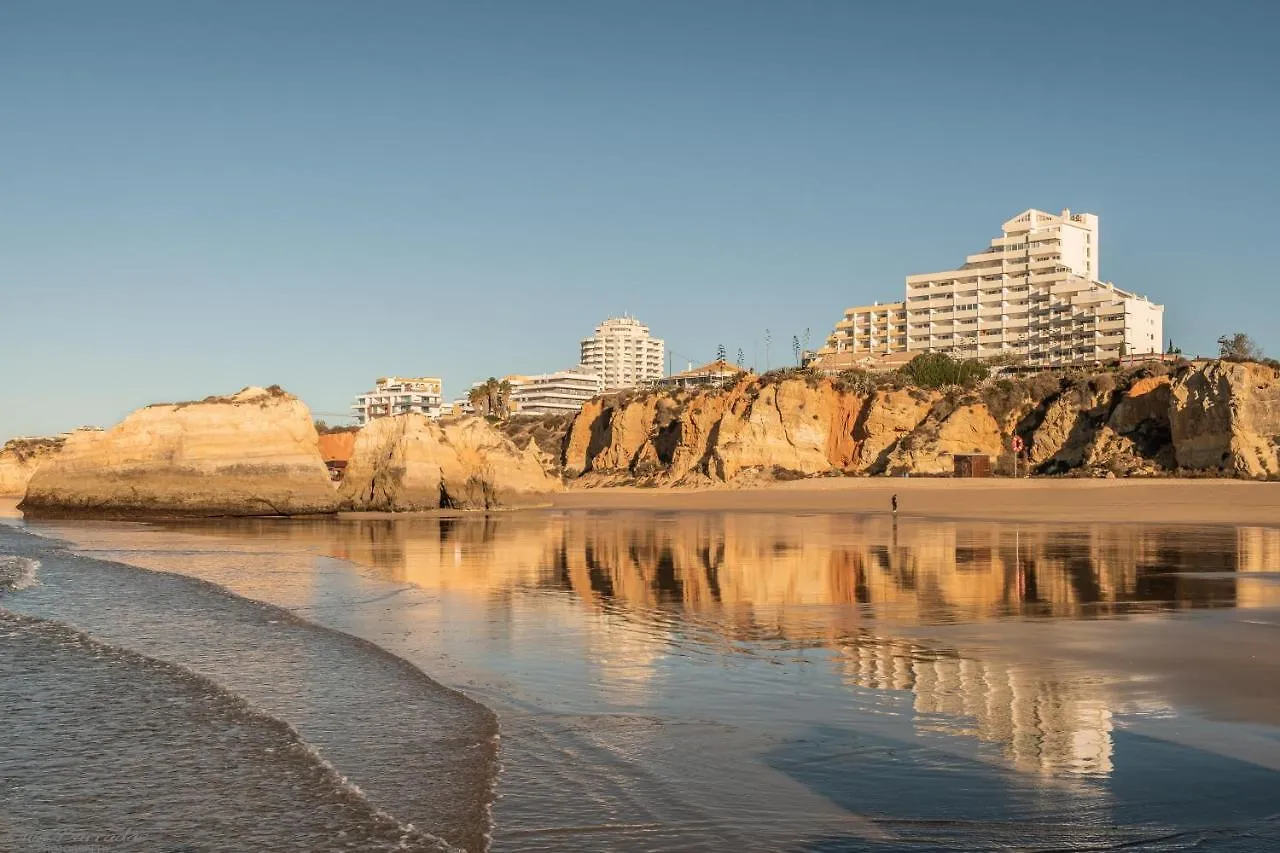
[{"x": 17, "y": 573}]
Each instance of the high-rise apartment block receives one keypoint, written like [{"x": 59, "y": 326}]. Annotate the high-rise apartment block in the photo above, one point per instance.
[
  {"x": 623, "y": 354},
  {"x": 394, "y": 395},
  {"x": 1035, "y": 294}
]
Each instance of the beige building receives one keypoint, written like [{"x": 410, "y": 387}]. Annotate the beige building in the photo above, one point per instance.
[
  {"x": 623, "y": 354},
  {"x": 1035, "y": 293},
  {"x": 560, "y": 393},
  {"x": 395, "y": 395},
  {"x": 714, "y": 373}
]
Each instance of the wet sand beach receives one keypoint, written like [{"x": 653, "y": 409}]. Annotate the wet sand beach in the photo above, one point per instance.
[{"x": 1163, "y": 501}]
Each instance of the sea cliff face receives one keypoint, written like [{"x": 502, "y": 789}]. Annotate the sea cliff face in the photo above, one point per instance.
[
  {"x": 1227, "y": 417},
  {"x": 411, "y": 463},
  {"x": 1218, "y": 418},
  {"x": 252, "y": 453}
]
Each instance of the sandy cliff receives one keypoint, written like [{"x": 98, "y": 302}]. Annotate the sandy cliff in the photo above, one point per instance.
[
  {"x": 337, "y": 446},
  {"x": 19, "y": 459},
  {"x": 253, "y": 453},
  {"x": 1226, "y": 417},
  {"x": 410, "y": 463},
  {"x": 1218, "y": 417}
]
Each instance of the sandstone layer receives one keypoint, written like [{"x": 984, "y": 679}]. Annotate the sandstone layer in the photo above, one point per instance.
[
  {"x": 337, "y": 446},
  {"x": 19, "y": 459},
  {"x": 1219, "y": 418},
  {"x": 253, "y": 453},
  {"x": 411, "y": 463}
]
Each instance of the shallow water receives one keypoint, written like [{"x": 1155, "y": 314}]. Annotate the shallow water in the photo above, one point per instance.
[{"x": 716, "y": 681}]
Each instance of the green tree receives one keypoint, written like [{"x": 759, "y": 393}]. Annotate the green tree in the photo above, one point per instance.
[
  {"x": 742, "y": 357},
  {"x": 720, "y": 353},
  {"x": 1239, "y": 347}
]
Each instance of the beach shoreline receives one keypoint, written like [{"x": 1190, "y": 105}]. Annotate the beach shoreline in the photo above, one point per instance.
[
  {"x": 1126, "y": 501},
  {"x": 1049, "y": 500}
]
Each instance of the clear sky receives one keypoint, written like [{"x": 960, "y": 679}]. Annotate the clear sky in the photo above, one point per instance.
[{"x": 197, "y": 196}]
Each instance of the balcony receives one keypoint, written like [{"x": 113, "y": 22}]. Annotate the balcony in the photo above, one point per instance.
[
  {"x": 1092, "y": 296},
  {"x": 996, "y": 254},
  {"x": 1068, "y": 286}
]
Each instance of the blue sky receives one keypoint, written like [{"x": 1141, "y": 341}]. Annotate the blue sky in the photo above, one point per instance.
[{"x": 197, "y": 196}]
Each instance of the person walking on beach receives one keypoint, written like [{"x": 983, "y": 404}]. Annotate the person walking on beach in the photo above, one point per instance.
[{"x": 893, "y": 502}]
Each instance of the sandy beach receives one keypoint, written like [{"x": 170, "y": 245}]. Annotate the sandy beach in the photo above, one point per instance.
[{"x": 1167, "y": 501}]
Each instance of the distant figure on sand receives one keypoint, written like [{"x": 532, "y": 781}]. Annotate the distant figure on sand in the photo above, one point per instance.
[{"x": 893, "y": 502}]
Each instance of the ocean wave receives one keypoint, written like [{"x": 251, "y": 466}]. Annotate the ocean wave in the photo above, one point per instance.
[
  {"x": 287, "y": 747},
  {"x": 150, "y": 613},
  {"x": 17, "y": 573}
]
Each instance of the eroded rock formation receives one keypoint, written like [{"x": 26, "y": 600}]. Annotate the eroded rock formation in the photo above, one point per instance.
[
  {"x": 1226, "y": 417},
  {"x": 411, "y": 463},
  {"x": 1216, "y": 417},
  {"x": 253, "y": 453}
]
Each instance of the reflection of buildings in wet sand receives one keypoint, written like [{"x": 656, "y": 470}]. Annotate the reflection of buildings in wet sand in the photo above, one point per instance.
[
  {"x": 1258, "y": 551},
  {"x": 748, "y": 576},
  {"x": 820, "y": 580},
  {"x": 1045, "y": 725},
  {"x": 495, "y": 557}
]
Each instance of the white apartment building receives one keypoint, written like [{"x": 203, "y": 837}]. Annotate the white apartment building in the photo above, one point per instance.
[
  {"x": 395, "y": 395},
  {"x": 1034, "y": 293},
  {"x": 562, "y": 392},
  {"x": 623, "y": 354}
]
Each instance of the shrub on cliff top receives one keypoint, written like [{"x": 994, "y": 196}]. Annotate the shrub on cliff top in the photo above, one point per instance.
[
  {"x": 1004, "y": 397},
  {"x": 326, "y": 429},
  {"x": 937, "y": 370},
  {"x": 1103, "y": 383},
  {"x": 1043, "y": 385},
  {"x": 810, "y": 376},
  {"x": 856, "y": 381},
  {"x": 29, "y": 448}
]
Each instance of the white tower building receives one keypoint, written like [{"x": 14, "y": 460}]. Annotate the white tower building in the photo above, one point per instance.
[{"x": 623, "y": 354}]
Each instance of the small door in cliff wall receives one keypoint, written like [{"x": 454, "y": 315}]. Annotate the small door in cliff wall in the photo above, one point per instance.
[{"x": 972, "y": 465}]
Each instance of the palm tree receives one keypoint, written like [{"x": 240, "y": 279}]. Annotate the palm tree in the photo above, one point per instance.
[
  {"x": 504, "y": 399},
  {"x": 491, "y": 398}
]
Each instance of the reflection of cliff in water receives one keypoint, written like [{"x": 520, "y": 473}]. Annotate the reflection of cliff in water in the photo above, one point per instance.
[
  {"x": 652, "y": 582},
  {"x": 773, "y": 577},
  {"x": 745, "y": 566}
]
